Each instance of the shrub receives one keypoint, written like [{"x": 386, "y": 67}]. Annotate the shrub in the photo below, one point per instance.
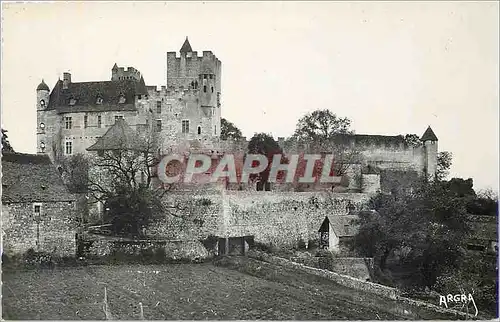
[{"x": 301, "y": 245}]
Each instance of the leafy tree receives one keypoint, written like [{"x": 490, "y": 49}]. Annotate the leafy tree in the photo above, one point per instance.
[
  {"x": 444, "y": 161},
  {"x": 428, "y": 223},
  {"x": 6, "y": 147},
  {"x": 328, "y": 133},
  {"x": 229, "y": 130},
  {"x": 75, "y": 171},
  {"x": 264, "y": 144},
  {"x": 321, "y": 126}
]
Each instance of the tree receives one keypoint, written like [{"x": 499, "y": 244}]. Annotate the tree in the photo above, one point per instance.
[
  {"x": 264, "y": 144},
  {"x": 229, "y": 130},
  {"x": 330, "y": 134},
  {"x": 321, "y": 126},
  {"x": 444, "y": 160},
  {"x": 428, "y": 225},
  {"x": 6, "y": 147}
]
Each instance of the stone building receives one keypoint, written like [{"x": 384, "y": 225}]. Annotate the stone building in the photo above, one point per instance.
[
  {"x": 74, "y": 115},
  {"x": 38, "y": 212}
]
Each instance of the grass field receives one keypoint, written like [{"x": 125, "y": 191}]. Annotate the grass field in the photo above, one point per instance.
[{"x": 240, "y": 289}]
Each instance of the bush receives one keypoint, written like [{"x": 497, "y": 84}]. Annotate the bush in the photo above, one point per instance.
[
  {"x": 301, "y": 245},
  {"x": 313, "y": 243}
]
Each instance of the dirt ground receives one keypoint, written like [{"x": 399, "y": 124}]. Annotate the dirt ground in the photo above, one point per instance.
[{"x": 237, "y": 288}]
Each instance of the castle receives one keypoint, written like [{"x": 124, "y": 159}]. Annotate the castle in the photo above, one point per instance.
[{"x": 75, "y": 115}]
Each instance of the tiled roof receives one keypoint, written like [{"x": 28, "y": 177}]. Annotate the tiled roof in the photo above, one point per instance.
[
  {"x": 85, "y": 95},
  {"x": 31, "y": 178},
  {"x": 342, "y": 225},
  {"x": 43, "y": 86},
  {"x": 429, "y": 135},
  {"x": 186, "y": 47},
  {"x": 120, "y": 136}
]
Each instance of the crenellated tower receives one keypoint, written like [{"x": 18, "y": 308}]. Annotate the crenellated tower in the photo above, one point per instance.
[{"x": 200, "y": 76}]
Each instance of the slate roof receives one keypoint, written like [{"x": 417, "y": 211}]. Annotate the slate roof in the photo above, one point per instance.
[
  {"x": 31, "y": 178},
  {"x": 43, "y": 86},
  {"x": 86, "y": 94},
  {"x": 429, "y": 135},
  {"x": 186, "y": 47},
  {"x": 339, "y": 225},
  {"x": 120, "y": 136},
  {"x": 484, "y": 228}
]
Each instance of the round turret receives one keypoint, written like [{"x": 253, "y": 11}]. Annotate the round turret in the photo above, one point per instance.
[{"x": 42, "y": 86}]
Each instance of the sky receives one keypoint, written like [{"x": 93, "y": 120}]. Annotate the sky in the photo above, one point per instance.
[{"x": 391, "y": 67}]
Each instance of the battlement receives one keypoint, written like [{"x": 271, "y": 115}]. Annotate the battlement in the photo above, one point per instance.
[
  {"x": 207, "y": 54},
  {"x": 122, "y": 73}
]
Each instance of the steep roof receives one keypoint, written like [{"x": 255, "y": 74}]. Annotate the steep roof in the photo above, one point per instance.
[
  {"x": 120, "y": 136},
  {"x": 86, "y": 94},
  {"x": 43, "y": 86},
  {"x": 342, "y": 225},
  {"x": 429, "y": 135},
  {"x": 31, "y": 178},
  {"x": 186, "y": 47}
]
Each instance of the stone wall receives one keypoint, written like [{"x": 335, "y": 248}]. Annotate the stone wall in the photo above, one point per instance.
[
  {"x": 55, "y": 232},
  {"x": 278, "y": 218},
  {"x": 171, "y": 249},
  {"x": 360, "y": 268}
]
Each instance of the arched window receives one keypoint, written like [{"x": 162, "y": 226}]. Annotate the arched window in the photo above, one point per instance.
[
  {"x": 212, "y": 89},
  {"x": 199, "y": 130},
  {"x": 205, "y": 89},
  {"x": 42, "y": 103}
]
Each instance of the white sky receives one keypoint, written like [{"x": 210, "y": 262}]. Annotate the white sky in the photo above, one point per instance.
[{"x": 393, "y": 68}]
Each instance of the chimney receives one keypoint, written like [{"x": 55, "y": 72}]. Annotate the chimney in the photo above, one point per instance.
[{"x": 66, "y": 80}]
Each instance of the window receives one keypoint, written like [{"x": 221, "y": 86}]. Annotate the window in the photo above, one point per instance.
[
  {"x": 139, "y": 96},
  {"x": 85, "y": 121},
  {"x": 215, "y": 129},
  {"x": 42, "y": 103},
  {"x": 122, "y": 99},
  {"x": 199, "y": 130},
  {"x": 158, "y": 125},
  {"x": 42, "y": 126},
  {"x": 158, "y": 107},
  {"x": 211, "y": 76},
  {"x": 185, "y": 126},
  {"x": 99, "y": 123},
  {"x": 212, "y": 89},
  {"x": 69, "y": 147},
  {"x": 42, "y": 146},
  {"x": 72, "y": 101},
  {"x": 37, "y": 209},
  {"x": 99, "y": 100},
  {"x": 118, "y": 117},
  {"x": 68, "y": 122}
]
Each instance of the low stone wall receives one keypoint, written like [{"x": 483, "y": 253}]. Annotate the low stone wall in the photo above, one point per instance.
[
  {"x": 359, "y": 268},
  {"x": 169, "y": 249},
  {"x": 344, "y": 280},
  {"x": 358, "y": 284}
]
